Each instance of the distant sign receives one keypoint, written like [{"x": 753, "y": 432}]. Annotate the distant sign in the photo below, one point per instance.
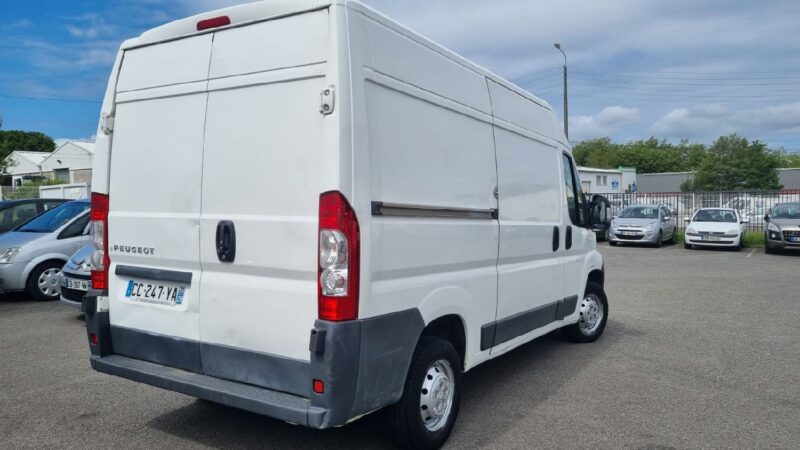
[{"x": 615, "y": 184}]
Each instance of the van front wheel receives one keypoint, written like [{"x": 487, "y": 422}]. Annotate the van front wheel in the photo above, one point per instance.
[
  {"x": 426, "y": 414},
  {"x": 593, "y": 317}
]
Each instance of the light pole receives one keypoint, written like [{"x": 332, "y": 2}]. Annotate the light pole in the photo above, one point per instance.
[{"x": 566, "y": 108}]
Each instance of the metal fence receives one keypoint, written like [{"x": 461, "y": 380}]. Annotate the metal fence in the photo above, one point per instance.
[
  {"x": 69, "y": 191},
  {"x": 752, "y": 205}
]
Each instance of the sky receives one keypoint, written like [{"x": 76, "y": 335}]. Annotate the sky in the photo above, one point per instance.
[{"x": 670, "y": 69}]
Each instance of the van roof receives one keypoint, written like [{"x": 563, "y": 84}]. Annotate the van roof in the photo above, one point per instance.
[{"x": 270, "y": 9}]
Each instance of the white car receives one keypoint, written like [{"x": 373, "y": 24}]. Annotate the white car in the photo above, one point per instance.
[{"x": 715, "y": 227}]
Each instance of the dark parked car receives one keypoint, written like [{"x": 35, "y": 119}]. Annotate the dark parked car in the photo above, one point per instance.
[
  {"x": 14, "y": 213},
  {"x": 782, "y": 228}
]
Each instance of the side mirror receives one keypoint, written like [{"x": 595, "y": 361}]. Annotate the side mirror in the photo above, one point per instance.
[
  {"x": 766, "y": 218},
  {"x": 687, "y": 219},
  {"x": 745, "y": 221},
  {"x": 667, "y": 218},
  {"x": 598, "y": 213}
]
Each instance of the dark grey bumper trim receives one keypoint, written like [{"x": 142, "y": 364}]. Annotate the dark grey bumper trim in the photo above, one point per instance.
[
  {"x": 154, "y": 274},
  {"x": 279, "y": 405}
]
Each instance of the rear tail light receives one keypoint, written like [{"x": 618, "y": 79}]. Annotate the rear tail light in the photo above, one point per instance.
[
  {"x": 214, "y": 22},
  {"x": 100, "y": 260},
  {"x": 339, "y": 252}
]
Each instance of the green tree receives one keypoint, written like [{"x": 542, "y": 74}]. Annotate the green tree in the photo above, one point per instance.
[
  {"x": 31, "y": 141},
  {"x": 789, "y": 159},
  {"x": 734, "y": 163}
]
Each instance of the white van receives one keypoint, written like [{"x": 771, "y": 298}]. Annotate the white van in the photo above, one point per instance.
[{"x": 304, "y": 210}]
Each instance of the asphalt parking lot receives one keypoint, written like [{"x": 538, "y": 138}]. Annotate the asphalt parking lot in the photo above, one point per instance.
[{"x": 701, "y": 351}]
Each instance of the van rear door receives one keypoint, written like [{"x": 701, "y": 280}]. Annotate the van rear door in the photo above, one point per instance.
[
  {"x": 262, "y": 175},
  {"x": 154, "y": 192}
]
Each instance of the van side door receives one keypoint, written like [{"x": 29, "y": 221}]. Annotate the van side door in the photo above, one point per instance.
[
  {"x": 578, "y": 239},
  {"x": 529, "y": 275}
]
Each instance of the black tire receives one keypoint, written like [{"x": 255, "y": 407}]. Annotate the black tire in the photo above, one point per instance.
[
  {"x": 576, "y": 332},
  {"x": 769, "y": 250},
  {"x": 688, "y": 246},
  {"x": 32, "y": 285},
  {"x": 659, "y": 241},
  {"x": 613, "y": 243},
  {"x": 405, "y": 417}
]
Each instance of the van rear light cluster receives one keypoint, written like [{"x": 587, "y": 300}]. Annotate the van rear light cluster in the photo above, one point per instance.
[
  {"x": 339, "y": 252},
  {"x": 100, "y": 260}
]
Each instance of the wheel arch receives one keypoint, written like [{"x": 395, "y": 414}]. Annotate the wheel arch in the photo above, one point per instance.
[
  {"x": 452, "y": 328},
  {"x": 58, "y": 257}
]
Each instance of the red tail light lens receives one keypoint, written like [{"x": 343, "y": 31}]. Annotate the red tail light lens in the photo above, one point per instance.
[
  {"x": 214, "y": 22},
  {"x": 100, "y": 260},
  {"x": 339, "y": 252}
]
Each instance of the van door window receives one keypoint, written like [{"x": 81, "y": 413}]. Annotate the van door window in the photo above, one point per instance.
[{"x": 573, "y": 191}]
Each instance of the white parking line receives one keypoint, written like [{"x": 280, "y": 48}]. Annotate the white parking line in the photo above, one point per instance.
[{"x": 751, "y": 253}]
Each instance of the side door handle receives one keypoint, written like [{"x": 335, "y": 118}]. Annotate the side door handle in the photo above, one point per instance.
[
  {"x": 568, "y": 238},
  {"x": 556, "y": 239},
  {"x": 226, "y": 241}
]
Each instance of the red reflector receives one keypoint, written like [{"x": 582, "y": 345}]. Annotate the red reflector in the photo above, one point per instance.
[
  {"x": 215, "y": 22},
  {"x": 93, "y": 339},
  {"x": 100, "y": 279},
  {"x": 319, "y": 387}
]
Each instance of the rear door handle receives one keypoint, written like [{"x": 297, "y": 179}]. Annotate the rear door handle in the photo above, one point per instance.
[
  {"x": 568, "y": 238},
  {"x": 556, "y": 239},
  {"x": 226, "y": 241}
]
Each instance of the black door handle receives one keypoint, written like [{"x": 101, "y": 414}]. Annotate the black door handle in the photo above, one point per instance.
[
  {"x": 568, "y": 238},
  {"x": 226, "y": 241},
  {"x": 556, "y": 239}
]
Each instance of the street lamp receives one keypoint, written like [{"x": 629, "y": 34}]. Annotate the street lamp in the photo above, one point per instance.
[{"x": 566, "y": 109}]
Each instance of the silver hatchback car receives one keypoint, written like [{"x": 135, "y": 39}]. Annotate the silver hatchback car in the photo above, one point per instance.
[
  {"x": 643, "y": 224},
  {"x": 32, "y": 255}
]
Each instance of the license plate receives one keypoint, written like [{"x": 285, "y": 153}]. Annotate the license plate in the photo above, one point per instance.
[
  {"x": 710, "y": 238},
  {"x": 794, "y": 239},
  {"x": 78, "y": 285},
  {"x": 629, "y": 233},
  {"x": 165, "y": 294}
]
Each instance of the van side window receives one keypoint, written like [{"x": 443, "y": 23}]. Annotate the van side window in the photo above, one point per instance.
[{"x": 574, "y": 193}]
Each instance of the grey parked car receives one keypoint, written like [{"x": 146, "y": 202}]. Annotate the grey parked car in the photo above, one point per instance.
[
  {"x": 782, "y": 228},
  {"x": 643, "y": 224},
  {"x": 32, "y": 255},
  {"x": 76, "y": 277}
]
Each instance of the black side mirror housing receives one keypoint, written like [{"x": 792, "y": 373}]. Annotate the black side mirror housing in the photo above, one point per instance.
[{"x": 766, "y": 218}]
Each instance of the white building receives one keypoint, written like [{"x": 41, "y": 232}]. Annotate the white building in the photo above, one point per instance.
[
  {"x": 69, "y": 163},
  {"x": 600, "y": 181}
]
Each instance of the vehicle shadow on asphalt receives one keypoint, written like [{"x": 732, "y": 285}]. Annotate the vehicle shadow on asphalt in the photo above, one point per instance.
[{"x": 495, "y": 396}]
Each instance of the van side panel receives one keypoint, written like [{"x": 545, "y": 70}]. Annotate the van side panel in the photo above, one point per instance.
[{"x": 429, "y": 150}]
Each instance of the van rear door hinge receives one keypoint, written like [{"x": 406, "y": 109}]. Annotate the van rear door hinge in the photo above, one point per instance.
[
  {"x": 107, "y": 124},
  {"x": 327, "y": 101}
]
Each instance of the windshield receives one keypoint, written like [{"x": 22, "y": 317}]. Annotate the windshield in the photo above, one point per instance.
[
  {"x": 715, "y": 215},
  {"x": 53, "y": 219},
  {"x": 786, "y": 212},
  {"x": 639, "y": 212}
]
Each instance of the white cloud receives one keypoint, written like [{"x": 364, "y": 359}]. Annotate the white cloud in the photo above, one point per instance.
[
  {"x": 16, "y": 25},
  {"x": 715, "y": 120},
  {"x": 90, "y": 26},
  {"x": 608, "y": 121}
]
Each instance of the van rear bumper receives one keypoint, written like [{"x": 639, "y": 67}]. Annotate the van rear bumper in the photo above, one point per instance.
[
  {"x": 280, "y": 405},
  {"x": 362, "y": 363}
]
